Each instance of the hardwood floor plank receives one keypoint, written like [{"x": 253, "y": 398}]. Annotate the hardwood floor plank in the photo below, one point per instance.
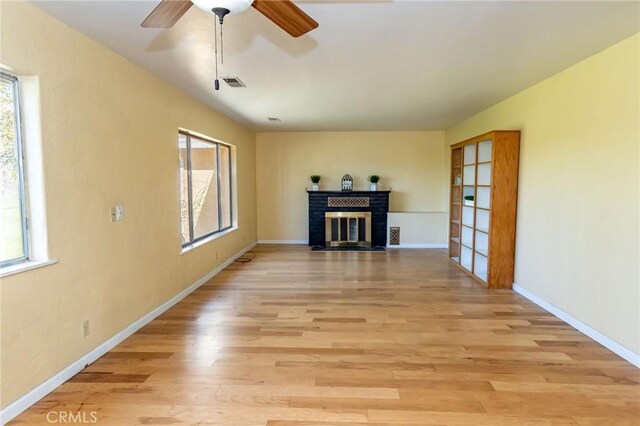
[
  {"x": 108, "y": 377},
  {"x": 461, "y": 419},
  {"x": 442, "y": 404},
  {"x": 136, "y": 355},
  {"x": 311, "y": 391},
  {"x": 407, "y": 383}
]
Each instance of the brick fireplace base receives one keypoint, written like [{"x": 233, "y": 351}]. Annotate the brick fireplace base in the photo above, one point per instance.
[{"x": 375, "y": 202}]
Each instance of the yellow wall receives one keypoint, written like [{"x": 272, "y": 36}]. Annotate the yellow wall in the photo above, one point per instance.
[
  {"x": 109, "y": 133},
  {"x": 578, "y": 201},
  {"x": 412, "y": 164},
  {"x": 421, "y": 229}
]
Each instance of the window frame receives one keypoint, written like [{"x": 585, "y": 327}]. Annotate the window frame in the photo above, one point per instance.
[
  {"x": 22, "y": 188},
  {"x": 202, "y": 138}
]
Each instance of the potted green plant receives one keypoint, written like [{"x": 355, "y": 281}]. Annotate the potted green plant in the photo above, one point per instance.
[
  {"x": 468, "y": 200},
  {"x": 374, "y": 179},
  {"x": 315, "y": 179}
]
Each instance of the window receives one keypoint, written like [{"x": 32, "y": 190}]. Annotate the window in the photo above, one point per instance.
[
  {"x": 205, "y": 187},
  {"x": 14, "y": 247}
]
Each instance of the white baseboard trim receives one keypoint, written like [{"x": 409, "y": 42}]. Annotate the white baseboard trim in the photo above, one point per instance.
[
  {"x": 14, "y": 409},
  {"x": 605, "y": 341},
  {"x": 431, "y": 246},
  {"x": 410, "y": 246},
  {"x": 283, "y": 242}
]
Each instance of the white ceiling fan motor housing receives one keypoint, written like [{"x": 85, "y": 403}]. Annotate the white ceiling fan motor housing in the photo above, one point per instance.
[{"x": 234, "y": 6}]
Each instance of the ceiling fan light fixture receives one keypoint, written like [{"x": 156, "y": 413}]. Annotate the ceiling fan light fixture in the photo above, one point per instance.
[
  {"x": 233, "y": 6},
  {"x": 283, "y": 13}
]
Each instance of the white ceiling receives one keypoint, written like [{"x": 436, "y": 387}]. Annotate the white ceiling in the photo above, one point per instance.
[{"x": 384, "y": 65}]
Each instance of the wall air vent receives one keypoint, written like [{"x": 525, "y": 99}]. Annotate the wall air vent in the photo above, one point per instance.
[
  {"x": 274, "y": 119},
  {"x": 394, "y": 236},
  {"x": 233, "y": 81}
]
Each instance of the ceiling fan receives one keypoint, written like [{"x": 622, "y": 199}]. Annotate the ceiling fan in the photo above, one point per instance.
[{"x": 283, "y": 13}]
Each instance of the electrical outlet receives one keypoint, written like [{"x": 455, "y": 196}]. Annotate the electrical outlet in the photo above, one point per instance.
[{"x": 85, "y": 328}]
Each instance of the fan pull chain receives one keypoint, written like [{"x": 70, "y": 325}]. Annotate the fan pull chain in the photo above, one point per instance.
[{"x": 215, "y": 42}]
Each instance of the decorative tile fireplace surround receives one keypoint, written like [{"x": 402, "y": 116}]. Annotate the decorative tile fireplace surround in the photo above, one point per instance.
[{"x": 348, "y": 218}]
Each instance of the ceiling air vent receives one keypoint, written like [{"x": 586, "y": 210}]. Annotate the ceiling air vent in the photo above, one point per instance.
[{"x": 233, "y": 81}]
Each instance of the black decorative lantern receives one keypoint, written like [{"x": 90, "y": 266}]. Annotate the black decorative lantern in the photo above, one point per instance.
[{"x": 347, "y": 182}]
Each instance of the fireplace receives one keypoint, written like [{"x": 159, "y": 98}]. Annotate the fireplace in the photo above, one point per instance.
[
  {"x": 348, "y": 218},
  {"x": 348, "y": 229}
]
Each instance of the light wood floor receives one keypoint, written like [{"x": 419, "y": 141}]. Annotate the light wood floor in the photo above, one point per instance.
[{"x": 401, "y": 337}]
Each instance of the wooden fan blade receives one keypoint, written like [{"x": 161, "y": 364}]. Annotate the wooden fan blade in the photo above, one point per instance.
[
  {"x": 286, "y": 15},
  {"x": 166, "y": 13}
]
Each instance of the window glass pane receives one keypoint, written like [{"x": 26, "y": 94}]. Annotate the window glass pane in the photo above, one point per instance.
[
  {"x": 12, "y": 237},
  {"x": 225, "y": 185},
  {"x": 204, "y": 187},
  {"x": 184, "y": 189}
]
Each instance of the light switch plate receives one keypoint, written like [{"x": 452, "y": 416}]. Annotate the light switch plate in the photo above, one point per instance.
[{"x": 117, "y": 213}]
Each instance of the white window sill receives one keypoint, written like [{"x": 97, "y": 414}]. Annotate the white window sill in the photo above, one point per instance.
[
  {"x": 197, "y": 244},
  {"x": 25, "y": 266}
]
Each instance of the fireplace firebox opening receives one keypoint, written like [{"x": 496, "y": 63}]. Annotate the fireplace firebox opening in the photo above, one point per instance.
[{"x": 348, "y": 229}]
